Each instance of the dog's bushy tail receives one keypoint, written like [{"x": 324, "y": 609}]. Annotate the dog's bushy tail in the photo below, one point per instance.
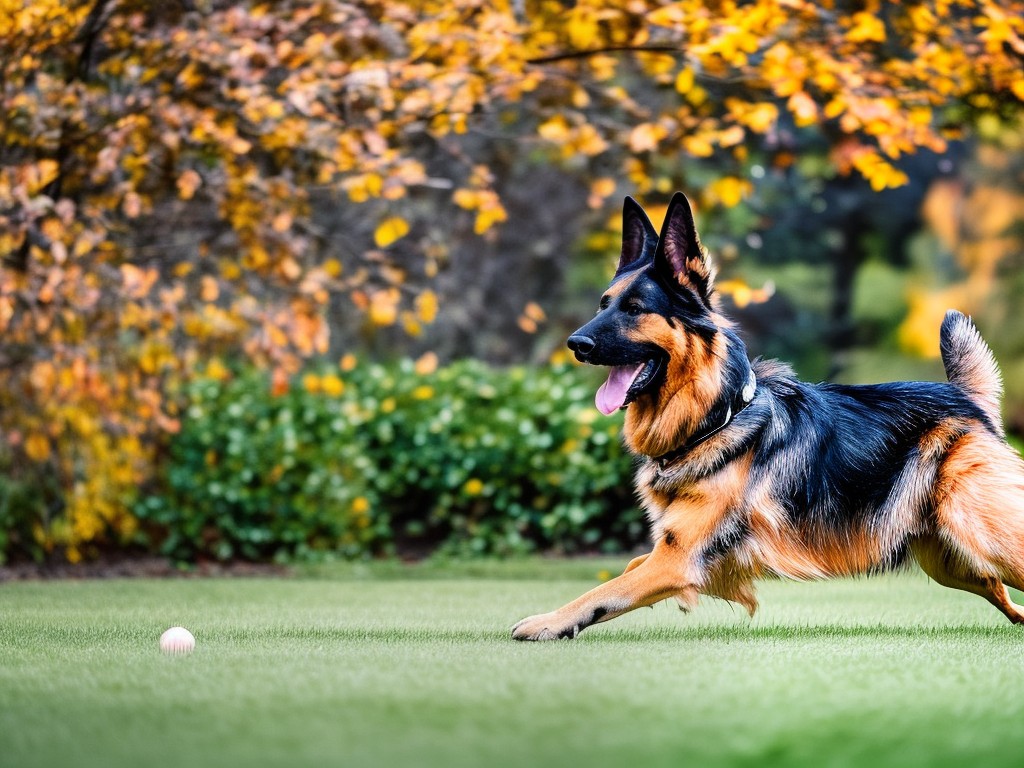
[{"x": 971, "y": 366}]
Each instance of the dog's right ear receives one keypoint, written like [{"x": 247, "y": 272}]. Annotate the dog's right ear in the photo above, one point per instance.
[
  {"x": 679, "y": 256},
  {"x": 639, "y": 237}
]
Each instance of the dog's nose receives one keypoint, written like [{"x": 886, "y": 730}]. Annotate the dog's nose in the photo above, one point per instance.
[{"x": 580, "y": 344}]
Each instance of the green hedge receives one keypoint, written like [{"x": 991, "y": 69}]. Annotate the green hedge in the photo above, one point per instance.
[
  {"x": 465, "y": 460},
  {"x": 30, "y": 499}
]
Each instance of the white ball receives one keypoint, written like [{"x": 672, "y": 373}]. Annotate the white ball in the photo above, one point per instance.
[{"x": 177, "y": 640}]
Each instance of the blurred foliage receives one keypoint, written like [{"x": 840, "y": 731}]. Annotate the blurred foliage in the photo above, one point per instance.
[
  {"x": 30, "y": 503},
  {"x": 407, "y": 458},
  {"x": 185, "y": 182}
]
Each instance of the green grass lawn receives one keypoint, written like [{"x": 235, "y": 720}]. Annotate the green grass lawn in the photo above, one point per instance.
[{"x": 361, "y": 667}]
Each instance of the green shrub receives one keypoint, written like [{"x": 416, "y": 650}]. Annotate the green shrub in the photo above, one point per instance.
[
  {"x": 467, "y": 459},
  {"x": 29, "y": 502}
]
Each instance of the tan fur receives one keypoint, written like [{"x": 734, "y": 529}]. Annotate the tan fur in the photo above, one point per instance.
[
  {"x": 979, "y": 495},
  {"x": 944, "y": 565},
  {"x": 655, "y": 424}
]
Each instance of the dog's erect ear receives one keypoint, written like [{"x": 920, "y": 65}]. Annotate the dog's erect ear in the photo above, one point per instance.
[
  {"x": 679, "y": 255},
  {"x": 638, "y": 237}
]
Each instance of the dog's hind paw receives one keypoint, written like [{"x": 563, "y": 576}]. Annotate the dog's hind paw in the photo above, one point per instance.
[{"x": 545, "y": 626}]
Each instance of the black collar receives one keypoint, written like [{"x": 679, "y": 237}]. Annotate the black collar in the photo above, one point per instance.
[{"x": 720, "y": 417}]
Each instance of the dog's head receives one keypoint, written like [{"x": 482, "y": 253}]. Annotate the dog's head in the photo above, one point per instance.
[{"x": 657, "y": 314}]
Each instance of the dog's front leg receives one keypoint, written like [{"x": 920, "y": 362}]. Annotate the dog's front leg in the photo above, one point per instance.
[{"x": 660, "y": 575}]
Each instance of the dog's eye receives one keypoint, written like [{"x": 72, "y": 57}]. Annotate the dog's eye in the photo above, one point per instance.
[
  {"x": 605, "y": 301},
  {"x": 634, "y": 309}
]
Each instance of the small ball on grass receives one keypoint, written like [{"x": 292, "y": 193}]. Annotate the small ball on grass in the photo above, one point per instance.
[{"x": 177, "y": 641}]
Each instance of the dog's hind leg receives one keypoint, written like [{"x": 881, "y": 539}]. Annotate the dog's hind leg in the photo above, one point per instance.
[
  {"x": 979, "y": 521},
  {"x": 949, "y": 570}
]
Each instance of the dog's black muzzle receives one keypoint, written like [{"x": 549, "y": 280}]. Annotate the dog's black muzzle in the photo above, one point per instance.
[{"x": 581, "y": 345}]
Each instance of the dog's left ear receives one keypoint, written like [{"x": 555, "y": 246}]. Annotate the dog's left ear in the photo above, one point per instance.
[{"x": 679, "y": 256}]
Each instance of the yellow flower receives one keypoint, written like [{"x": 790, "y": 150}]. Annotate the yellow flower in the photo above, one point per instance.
[
  {"x": 387, "y": 405},
  {"x": 215, "y": 369},
  {"x": 332, "y": 385},
  {"x": 360, "y": 505},
  {"x": 311, "y": 383},
  {"x": 473, "y": 487},
  {"x": 423, "y": 392}
]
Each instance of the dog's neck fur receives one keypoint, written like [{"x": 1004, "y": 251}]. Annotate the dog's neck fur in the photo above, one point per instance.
[{"x": 697, "y": 390}]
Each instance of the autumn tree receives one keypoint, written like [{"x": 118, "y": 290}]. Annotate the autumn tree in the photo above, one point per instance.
[{"x": 172, "y": 174}]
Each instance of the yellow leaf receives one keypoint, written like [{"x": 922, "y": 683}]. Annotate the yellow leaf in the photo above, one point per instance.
[
  {"x": 583, "y": 28},
  {"x": 45, "y": 171},
  {"x": 556, "y": 129},
  {"x": 866, "y": 27},
  {"x": 466, "y": 198},
  {"x": 390, "y": 230},
  {"x": 426, "y": 306},
  {"x": 383, "y": 308},
  {"x": 646, "y": 136},
  {"x": 728, "y": 191},
  {"x": 488, "y": 217},
  {"x": 731, "y": 136},
  {"x": 37, "y": 447},
  {"x": 603, "y": 187},
  {"x": 684, "y": 81},
  {"x": 698, "y": 145},
  {"x": 282, "y": 222},
  {"x": 805, "y": 111},
  {"x": 290, "y": 268}
]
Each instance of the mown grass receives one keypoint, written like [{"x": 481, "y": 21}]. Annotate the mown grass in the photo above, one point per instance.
[{"x": 339, "y": 668}]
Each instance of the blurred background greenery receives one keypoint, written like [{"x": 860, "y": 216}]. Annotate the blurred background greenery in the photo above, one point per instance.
[{"x": 292, "y": 280}]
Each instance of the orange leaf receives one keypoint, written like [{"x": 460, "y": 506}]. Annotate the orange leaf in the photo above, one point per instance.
[{"x": 188, "y": 183}]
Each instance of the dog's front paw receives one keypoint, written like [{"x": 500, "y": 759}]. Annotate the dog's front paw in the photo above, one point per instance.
[{"x": 545, "y": 626}]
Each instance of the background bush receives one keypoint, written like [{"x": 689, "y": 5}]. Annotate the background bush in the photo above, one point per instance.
[
  {"x": 384, "y": 459},
  {"x": 29, "y": 501}
]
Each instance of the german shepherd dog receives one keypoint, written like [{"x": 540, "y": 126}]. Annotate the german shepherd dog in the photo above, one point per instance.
[{"x": 747, "y": 472}]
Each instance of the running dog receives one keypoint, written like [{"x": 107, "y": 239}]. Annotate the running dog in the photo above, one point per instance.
[{"x": 746, "y": 472}]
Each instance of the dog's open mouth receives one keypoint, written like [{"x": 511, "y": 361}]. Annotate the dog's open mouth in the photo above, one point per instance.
[{"x": 624, "y": 383}]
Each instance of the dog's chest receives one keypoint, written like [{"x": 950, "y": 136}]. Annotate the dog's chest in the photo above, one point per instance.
[{"x": 678, "y": 494}]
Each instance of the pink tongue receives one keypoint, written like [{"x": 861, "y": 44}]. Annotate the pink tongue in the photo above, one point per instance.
[{"x": 612, "y": 394}]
